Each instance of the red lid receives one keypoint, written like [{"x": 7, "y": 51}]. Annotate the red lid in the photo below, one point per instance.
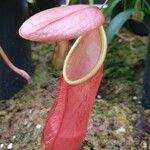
[{"x": 61, "y": 23}]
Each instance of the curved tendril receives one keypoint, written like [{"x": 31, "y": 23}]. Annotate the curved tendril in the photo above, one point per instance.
[{"x": 19, "y": 71}]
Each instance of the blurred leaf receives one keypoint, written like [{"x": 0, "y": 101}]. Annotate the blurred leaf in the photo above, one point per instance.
[
  {"x": 138, "y": 5},
  {"x": 117, "y": 22},
  {"x": 138, "y": 16},
  {"x": 146, "y": 7},
  {"x": 111, "y": 5},
  {"x": 73, "y": 2}
]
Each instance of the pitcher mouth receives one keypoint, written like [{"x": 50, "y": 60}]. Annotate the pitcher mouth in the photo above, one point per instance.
[{"x": 81, "y": 63}]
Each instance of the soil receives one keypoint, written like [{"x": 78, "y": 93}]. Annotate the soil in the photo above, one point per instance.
[{"x": 118, "y": 120}]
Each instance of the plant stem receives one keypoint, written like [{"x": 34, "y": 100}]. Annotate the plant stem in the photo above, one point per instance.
[
  {"x": 91, "y": 2},
  {"x": 21, "y": 72},
  {"x": 70, "y": 2},
  {"x": 61, "y": 50}
]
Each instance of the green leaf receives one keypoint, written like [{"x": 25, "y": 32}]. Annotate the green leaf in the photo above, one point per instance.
[
  {"x": 138, "y": 16},
  {"x": 111, "y": 5},
  {"x": 73, "y": 2},
  {"x": 117, "y": 22},
  {"x": 146, "y": 7}
]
